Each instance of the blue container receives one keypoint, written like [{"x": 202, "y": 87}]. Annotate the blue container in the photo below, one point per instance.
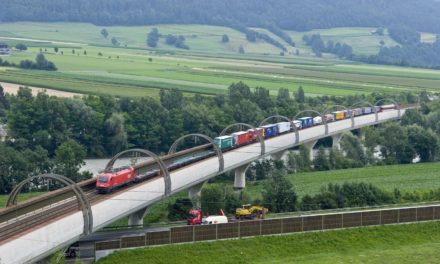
[
  {"x": 270, "y": 130},
  {"x": 306, "y": 122}
]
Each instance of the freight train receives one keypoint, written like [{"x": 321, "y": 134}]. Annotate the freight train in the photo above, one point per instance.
[
  {"x": 241, "y": 138},
  {"x": 117, "y": 177}
]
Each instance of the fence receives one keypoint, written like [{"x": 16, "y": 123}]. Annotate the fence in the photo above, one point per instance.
[{"x": 295, "y": 224}]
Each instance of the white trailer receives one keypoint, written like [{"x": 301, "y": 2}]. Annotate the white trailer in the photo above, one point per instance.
[
  {"x": 283, "y": 127},
  {"x": 215, "y": 219}
]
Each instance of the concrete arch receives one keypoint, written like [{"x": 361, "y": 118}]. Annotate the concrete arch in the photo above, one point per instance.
[
  {"x": 315, "y": 112},
  {"x": 326, "y": 111},
  {"x": 163, "y": 168},
  {"x": 79, "y": 193},
  {"x": 292, "y": 125},
  {"x": 392, "y": 101},
  {"x": 360, "y": 103},
  {"x": 260, "y": 138},
  {"x": 218, "y": 151}
]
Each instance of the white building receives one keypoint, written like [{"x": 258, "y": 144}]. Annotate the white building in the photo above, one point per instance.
[{"x": 4, "y": 49}]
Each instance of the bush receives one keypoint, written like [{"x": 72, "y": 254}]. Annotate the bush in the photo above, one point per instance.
[{"x": 21, "y": 46}]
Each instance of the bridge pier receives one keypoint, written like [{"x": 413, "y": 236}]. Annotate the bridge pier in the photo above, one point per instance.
[
  {"x": 309, "y": 145},
  {"x": 136, "y": 218},
  {"x": 278, "y": 155},
  {"x": 337, "y": 141},
  {"x": 240, "y": 177},
  {"x": 195, "y": 195}
]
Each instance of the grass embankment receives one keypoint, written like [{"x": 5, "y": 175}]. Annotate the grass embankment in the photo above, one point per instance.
[
  {"x": 21, "y": 198},
  {"x": 422, "y": 177},
  {"x": 410, "y": 243},
  {"x": 209, "y": 67}
]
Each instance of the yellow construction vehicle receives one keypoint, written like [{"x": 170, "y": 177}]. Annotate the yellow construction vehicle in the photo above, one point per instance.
[{"x": 251, "y": 212}]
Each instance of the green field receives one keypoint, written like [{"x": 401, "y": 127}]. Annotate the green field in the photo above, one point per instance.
[
  {"x": 22, "y": 197},
  {"x": 422, "y": 177},
  {"x": 410, "y": 243},
  {"x": 209, "y": 67}
]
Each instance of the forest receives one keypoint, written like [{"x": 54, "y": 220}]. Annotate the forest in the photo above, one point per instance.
[{"x": 272, "y": 14}]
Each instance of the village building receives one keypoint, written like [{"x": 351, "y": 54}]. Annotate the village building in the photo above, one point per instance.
[{"x": 4, "y": 49}]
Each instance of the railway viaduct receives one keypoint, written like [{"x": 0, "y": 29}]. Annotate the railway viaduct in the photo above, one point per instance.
[{"x": 38, "y": 242}]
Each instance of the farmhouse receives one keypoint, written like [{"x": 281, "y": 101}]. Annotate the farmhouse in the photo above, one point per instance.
[{"x": 4, "y": 49}]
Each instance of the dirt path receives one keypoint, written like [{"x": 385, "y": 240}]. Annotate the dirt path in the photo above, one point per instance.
[{"x": 12, "y": 88}]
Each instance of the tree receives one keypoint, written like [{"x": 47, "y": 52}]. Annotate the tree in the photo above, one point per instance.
[
  {"x": 212, "y": 199},
  {"x": 321, "y": 162},
  {"x": 43, "y": 64},
  {"x": 171, "y": 99},
  {"x": 178, "y": 210},
  {"x": 424, "y": 142},
  {"x": 353, "y": 149},
  {"x": 153, "y": 38},
  {"x": 300, "y": 97},
  {"x": 114, "y": 41},
  {"x": 278, "y": 193},
  {"x": 69, "y": 157},
  {"x": 116, "y": 135},
  {"x": 21, "y": 46},
  {"x": 104, "y": 33},
  {"x": 241, "y": 50},
  {"x": 225, "y": 38}
]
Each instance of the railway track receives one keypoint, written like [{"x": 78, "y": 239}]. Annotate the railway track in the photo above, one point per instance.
[{"x": 22, "y": 217}]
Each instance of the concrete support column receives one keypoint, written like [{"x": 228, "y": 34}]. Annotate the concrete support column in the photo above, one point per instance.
[
  {"x": 337, "y": 141},
  {"x": 240, "y": 177},
  {"x": 278, "y": 155},
  {"x": 309, "y": 145},
  {"x": 195, "y": 195},
  {"x": 136, "y": 218}
]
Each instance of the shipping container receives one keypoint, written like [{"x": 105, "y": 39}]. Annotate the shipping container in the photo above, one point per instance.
[
  {"x": 224, "y": 142},
  {"x": 387, "y": 107},
  {"x": 317, "y": 120},
  {"x": 347, "y": 113},
  {"x": 367, "y": 110},
  {"x": 378, "y": 109},
  {"x": 297, "y": 124},
  {"x": 329, "y": 117},
  {"x": 357, "y": 111},
  {"x": 241, "y": 138},
  {"x": 339, "y": 115},
  {"x": 283, "y": 127},
  {"x": 254, "y": 136},
  {"x": 306, "y": 122},
  {"x": 270, "y": 130}
]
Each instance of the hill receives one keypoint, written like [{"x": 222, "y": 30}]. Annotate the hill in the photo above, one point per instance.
[{"x": 271, "y": 14}]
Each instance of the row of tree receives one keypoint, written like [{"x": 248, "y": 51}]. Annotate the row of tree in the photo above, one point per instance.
[
  {"x": 40, "y": 63},
  {"x": 318, "y": 46}
]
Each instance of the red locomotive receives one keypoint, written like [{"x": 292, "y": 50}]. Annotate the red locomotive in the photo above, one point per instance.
[{"x": 109, "y": 180}]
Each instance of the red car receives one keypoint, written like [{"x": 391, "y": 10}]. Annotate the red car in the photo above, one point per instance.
[{"x": 109, "y": 180}]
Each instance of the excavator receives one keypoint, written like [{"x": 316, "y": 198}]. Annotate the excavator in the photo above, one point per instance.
[{"x": 248, "y": 211}]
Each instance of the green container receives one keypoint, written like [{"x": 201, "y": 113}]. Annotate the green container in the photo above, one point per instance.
[{"x": 224, "y": 142}]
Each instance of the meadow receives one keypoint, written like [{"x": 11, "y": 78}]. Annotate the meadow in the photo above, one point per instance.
[
  {"x": 409, "y": 243},
  {"x": 88, "y": 63},
  {"x": 422, "y": 177}
]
